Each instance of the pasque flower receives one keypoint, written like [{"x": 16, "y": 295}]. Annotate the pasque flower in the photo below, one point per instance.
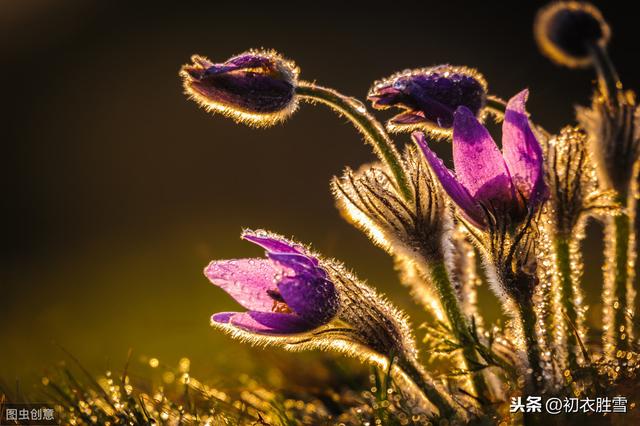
[
  {"x": 298, "y": 300},
  {"x": 504, "y": 184},
  {"x": 429, "y": 96},
  {"x": 256, "y": 87},
  {"x": 287, "y": 292}
]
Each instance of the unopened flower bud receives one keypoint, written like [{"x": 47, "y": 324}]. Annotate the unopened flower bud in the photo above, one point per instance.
[
  {"x": 566, "y": 30},
  {"x": 256, "y": 87},
  {"x": 429, "y": 97}
]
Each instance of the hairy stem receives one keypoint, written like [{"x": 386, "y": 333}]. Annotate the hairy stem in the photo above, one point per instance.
[
  {"x": 568, "y": 298},
  {"x": 459, "y": 324},
  {"x": 528, "y": 323},
  {"x": 366, "y": 124},
  {"x": 619, "y": 275},
  {"x": 517, "y": 293},
  {"x": 496, "y": 106},
  {"x": 608, "y": 80},
  {"x": 416, "y": 373}
]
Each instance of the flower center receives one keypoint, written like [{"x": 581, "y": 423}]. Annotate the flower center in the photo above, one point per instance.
[{"x": 279, "y": 305}]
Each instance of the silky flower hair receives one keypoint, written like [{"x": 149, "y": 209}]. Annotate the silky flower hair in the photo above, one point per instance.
[
  {"x": 573, "y": 182},
  {"x": 369, "y": 199},
  {"x": 410, "y": 231}
]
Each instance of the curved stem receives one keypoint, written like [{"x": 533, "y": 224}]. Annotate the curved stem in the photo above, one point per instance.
[
  {"x": 496, "y": 106},
  {"x": 366, "y": 124},
  {"x": 608, "y": 80},
  {"x": 440, "y": 278}
]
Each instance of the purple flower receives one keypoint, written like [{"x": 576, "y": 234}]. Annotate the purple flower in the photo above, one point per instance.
[
  {"x": 287, "y": 292},
  {"x": 429, "y": 96},
  {"x": 256, "y": 86},
  {"x": 507, "y": 183}
]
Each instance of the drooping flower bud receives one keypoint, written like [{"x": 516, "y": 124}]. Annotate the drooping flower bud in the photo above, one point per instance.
[
  {"x": 565, "y": 30},
  {"x": 429, "y": 97},
  {"x": 256, "y": 87}
]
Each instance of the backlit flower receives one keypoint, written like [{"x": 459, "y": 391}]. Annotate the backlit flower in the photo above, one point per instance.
[
  {"x": 286, "y": 292},
  {"x": 566, "y": 32},
  {"x": 300, "y": 301},
  {"x": 429, "y": 96},
  {"x": 487, "y": 181},
  {"x": 256, "y": 87}
]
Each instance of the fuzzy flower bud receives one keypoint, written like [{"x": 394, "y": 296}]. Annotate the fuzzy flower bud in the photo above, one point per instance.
[
  {"x": 573, "y": 182},
  {"x": 369, "y": 199},
  {"x": 565, "y": 30},
  {"x": 256, "y": 87},
  {"x": 429, "y": 97},
  {"x": 614, "y": 137}
]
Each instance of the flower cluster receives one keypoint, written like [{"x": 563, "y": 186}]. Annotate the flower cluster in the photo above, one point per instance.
[{"x": 510, "y": 217}]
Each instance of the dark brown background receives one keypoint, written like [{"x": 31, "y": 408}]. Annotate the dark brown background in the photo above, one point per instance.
[{"x": 116, "y": 191}]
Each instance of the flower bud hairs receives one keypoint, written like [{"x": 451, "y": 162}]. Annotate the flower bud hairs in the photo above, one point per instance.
[
  {"x": 511, "y": 218},
  {"x": 256, "y": 87},
  {"x": 429, "y": 97}
]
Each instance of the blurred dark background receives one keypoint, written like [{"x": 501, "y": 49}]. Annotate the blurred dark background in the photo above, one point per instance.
[{"x": 117, "y": 191}]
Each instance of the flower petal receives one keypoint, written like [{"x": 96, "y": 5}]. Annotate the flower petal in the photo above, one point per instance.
[
  {"x": 251, "y": 60},
  {"x": 297, "y": 263},
  {"x": 434, "y": 92},
  {"x": 271, "y": 244},
  {"x": 450, "y": 184},
  {"x": 223, "y": 317},
  {"x": 246, "y": 280},
  {"x": 521, "y": 149},
  {"x": 313, "y": 298},
  {"x": 384, "y": 96},
  {"x": 264, "y": 322},
  {"x": 478, "y": 162},
  {"x": 409, "y": 117},
  {"x": 433, "y": 110}
]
